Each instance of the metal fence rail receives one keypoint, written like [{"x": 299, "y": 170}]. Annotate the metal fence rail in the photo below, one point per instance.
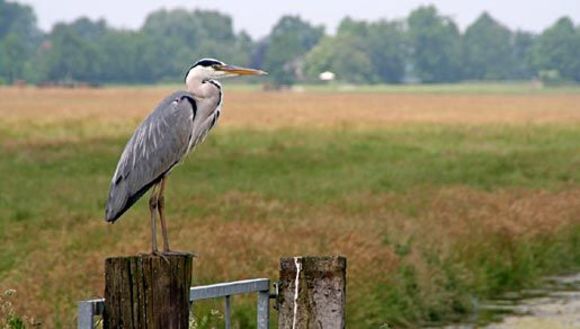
[{"x": 88, "y": 309}]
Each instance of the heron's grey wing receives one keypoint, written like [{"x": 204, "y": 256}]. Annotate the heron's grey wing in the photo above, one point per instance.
[{"x": 157, "y": 145}]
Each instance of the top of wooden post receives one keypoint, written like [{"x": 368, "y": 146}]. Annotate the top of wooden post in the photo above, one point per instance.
[
  {"x": 314, "y": 264},
  {"x": 147, "y": 256},
  {"x": 147, "y": 292}
]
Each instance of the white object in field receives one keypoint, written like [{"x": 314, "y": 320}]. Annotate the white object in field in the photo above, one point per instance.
[{"x": 327, "y": 76}]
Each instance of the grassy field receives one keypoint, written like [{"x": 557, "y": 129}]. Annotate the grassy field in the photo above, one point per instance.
[{"x": 435, "y": 198}]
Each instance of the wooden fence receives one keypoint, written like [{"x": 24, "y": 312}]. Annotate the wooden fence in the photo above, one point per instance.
[{"x": 142, "y": 292}]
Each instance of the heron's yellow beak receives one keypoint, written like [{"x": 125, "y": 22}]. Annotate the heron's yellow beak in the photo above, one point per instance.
[{"x": 240, "y": 70}]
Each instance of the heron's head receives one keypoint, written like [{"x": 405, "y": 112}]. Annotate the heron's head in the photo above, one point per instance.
[{"x": 209, "y": 68}]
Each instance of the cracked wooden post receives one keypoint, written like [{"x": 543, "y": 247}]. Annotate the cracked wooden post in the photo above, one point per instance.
[
  {"x": 320, "y": 299},
  {"x": 147, "y": 292}
]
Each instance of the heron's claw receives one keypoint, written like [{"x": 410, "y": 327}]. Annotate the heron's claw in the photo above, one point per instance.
[{"x": 160, "y": 254}]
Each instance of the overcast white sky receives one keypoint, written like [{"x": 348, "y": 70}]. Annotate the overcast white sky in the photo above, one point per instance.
[{"x": 257, "y": 17}]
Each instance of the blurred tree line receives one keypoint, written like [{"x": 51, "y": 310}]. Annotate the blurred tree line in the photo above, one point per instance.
[{"x": 425, "y": 47}]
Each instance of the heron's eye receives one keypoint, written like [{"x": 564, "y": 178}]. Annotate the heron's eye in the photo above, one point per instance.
[{"x": 215, "y": 66}]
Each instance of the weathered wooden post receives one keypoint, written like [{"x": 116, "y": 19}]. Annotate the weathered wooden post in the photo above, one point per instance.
[
  {"x": 312, "y": 293},
  {"x": 147, "y": 292}
]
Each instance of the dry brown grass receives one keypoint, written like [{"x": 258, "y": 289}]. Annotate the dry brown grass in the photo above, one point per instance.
[
  {"x": 275, "y": 110},
  {"x": 69, "y": 264}
]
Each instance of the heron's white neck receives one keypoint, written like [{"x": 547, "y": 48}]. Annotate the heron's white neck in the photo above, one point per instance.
[
  {"x": 194, "y": 79},
  {"x": 197, "y": 78},
  {"x": 194, "y": 83},
  {"x": 193, "y": 86}
]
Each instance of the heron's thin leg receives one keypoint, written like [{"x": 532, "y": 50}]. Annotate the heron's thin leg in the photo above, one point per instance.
[
  {"x": 161, "y": 206},
  {"x": 153, "y": 204}
]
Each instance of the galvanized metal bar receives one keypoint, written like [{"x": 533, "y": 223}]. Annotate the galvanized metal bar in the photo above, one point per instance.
[
  {"x": 87, "y": 310},
  {"x": 85, "y": 315},
  {"x": 228, "y": 311},
  {"x": 228, "y": 288},
  {"x": 263, "y": 309}
]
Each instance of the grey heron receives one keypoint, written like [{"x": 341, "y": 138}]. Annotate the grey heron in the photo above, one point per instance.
[{"x": 179, "y": 123}]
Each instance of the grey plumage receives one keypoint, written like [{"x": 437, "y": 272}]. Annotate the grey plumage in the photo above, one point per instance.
[
  {"x": 178, "y": 124},
  {"x": 160, "y": 142}
]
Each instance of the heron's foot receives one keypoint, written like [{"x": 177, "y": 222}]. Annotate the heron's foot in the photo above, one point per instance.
[
  {"x": 157, "y": 253},
  {"x": 169, "y": 252}
]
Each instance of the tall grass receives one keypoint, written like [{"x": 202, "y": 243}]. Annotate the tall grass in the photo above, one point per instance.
[{"x": 432, "y": 216}]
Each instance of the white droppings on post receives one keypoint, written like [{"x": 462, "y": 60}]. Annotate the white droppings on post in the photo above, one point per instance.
[
  {"x": 296, "y": 285},
  {"x": 312, "y": 292}
]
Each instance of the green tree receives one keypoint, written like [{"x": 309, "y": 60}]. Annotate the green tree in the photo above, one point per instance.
[
  {"x": 161, "y": 50},
  {"x": 122, "y": 59},
  {"x": 487, "y": 50},
  {"x": 11, "y": 62},
  {"x": 387, "y": 50},
  {"x": 19, "y": 20},
  {"x": 71, "y": 57},
  {"x": 176, "y": 38},
  {"x": 19, "y": 39},
  {"x": 435, "y": 45},
  {"x": 342, "y": 56},
  {"x": 361, "y": 52},
  {"x": 523, "y": 43},
  {"x": 89, "y": 30},
  {"x": 558, "y": 49},
  {"x": 290, "y": 40}
]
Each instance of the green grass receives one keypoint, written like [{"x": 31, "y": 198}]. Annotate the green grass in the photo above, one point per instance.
[
  {"x": 314, "y": 172},
  {"x": 515, "y": 87},
  {"x": 307, "y": 166}
]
